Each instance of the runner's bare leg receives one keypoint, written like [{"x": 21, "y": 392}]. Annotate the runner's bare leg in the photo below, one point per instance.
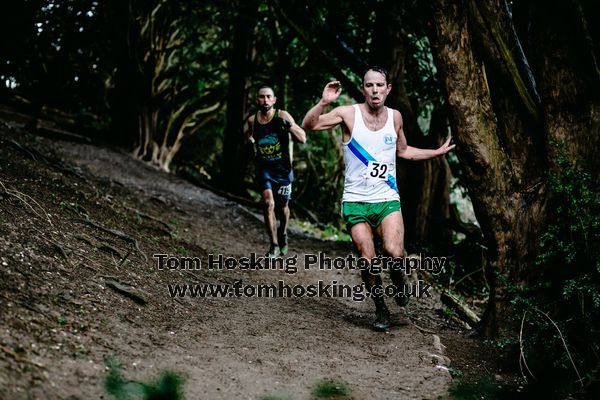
[
  {"x": 391, "y": 231},
  {"x": 269, "y": 214}
]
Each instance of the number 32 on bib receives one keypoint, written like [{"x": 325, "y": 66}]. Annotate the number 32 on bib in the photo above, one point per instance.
[{"x": 377, "y": 171}]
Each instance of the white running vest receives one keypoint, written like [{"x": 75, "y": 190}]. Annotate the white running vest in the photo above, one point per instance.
[{"x": 370, "y": 158}]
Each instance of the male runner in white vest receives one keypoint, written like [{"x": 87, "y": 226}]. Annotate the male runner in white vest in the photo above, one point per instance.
[{"x": 372, "y": 138}]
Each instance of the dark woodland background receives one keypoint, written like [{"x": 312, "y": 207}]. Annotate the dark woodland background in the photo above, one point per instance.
[{"x": 516, "y": 83}]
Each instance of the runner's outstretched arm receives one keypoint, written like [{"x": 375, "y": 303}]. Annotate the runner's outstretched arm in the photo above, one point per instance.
[
  {"x": 414, "y": 153},
  {"x": 314, "y": 119}
]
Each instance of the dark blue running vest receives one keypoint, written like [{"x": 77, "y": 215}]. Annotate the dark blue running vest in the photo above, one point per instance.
[{"x": 272, "y": 145}]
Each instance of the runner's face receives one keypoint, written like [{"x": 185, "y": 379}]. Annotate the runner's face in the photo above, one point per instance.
[
  {"x": 265, "y": 99},
  {"x": 375, "y": 89}
]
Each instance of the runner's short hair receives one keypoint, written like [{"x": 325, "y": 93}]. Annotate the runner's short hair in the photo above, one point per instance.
[
  {"x": 379, "y": 69},
  {"x": 265, "y": 87}
]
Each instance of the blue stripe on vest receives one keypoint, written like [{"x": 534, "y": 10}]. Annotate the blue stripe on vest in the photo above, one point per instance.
[
  {"x": 392, "y": 182},
  {"x": 360, "y": 152},
  {"x": 365, "y": 157}
]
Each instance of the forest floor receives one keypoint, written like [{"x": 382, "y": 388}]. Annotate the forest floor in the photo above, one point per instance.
[{"x": 79, "y": 286}]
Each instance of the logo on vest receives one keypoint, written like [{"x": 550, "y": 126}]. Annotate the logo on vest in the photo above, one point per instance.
[
  {"x": 388, "y": 139},
  {"x": 269, "y": 148}
]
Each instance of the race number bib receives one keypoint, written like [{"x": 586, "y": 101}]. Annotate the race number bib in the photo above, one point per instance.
[
  {"x": 285, "y": 190},
  {"x": 377, "y": 171}
]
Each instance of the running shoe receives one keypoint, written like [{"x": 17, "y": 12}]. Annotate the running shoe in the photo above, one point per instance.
[
  {"x": 382, "y": 319},
  {"x": 283, "y": 245},
  {"x": 273, "y": 251}
]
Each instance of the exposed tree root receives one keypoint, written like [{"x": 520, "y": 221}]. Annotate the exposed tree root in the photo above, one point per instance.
[
  {"x": 116, "y": 233},
  {"x": 37, "y": 156},
  {"x": 150, "y": 217},
  {"x": 127, "y": 291}
]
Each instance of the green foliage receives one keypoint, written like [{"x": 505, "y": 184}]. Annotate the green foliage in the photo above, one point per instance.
[
  {"x": 334, "y": 233},
  {"x": 564, "y": 304},
  {"x": 569, "y": 240},
  {"x": 327, "y": 232},
  {"x": 320, "y": 166},
  {"x": 583, "y": 287},
  {"x": 455, "y": 372},
  {"x": 57, "y": 54},
  {"x": 167, "y": 387},
  {"x": 447, "y": 312},
  {"x": 501, "y": 343},
  {"x": 329, "y": 388},
  {"x": 484, "y": 388},
  {"x": 183, "y": 251},
  {"x": 424, "y": 87}
]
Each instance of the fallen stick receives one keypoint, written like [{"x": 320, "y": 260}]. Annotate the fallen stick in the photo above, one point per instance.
[
  {"x": 23, "y": 197},
  {"x": 461, "y": 309}
]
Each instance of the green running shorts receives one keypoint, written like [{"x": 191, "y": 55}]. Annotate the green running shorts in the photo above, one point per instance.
[{"x": 371, "y": 213}]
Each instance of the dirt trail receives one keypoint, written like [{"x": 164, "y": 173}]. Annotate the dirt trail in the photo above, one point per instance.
[{"x": 60, "y": 320}]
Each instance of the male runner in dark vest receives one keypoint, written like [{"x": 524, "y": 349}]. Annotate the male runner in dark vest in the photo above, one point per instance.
[{"x": 269, "y": 129}]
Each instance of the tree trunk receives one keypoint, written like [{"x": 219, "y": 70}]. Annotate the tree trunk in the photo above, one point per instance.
[
  {"x": 486, "y": 167},
  {"x": 569, "y": 79},
  {"x": 125, "y": 97},
  {"x": 232, "y": 175},
  {"x": 504, "y": 132}
]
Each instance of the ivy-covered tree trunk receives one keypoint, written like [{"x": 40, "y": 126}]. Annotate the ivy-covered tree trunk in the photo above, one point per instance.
[
  {"x": 487, "y": 169},
  {"x": 503, "y": 126}
]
